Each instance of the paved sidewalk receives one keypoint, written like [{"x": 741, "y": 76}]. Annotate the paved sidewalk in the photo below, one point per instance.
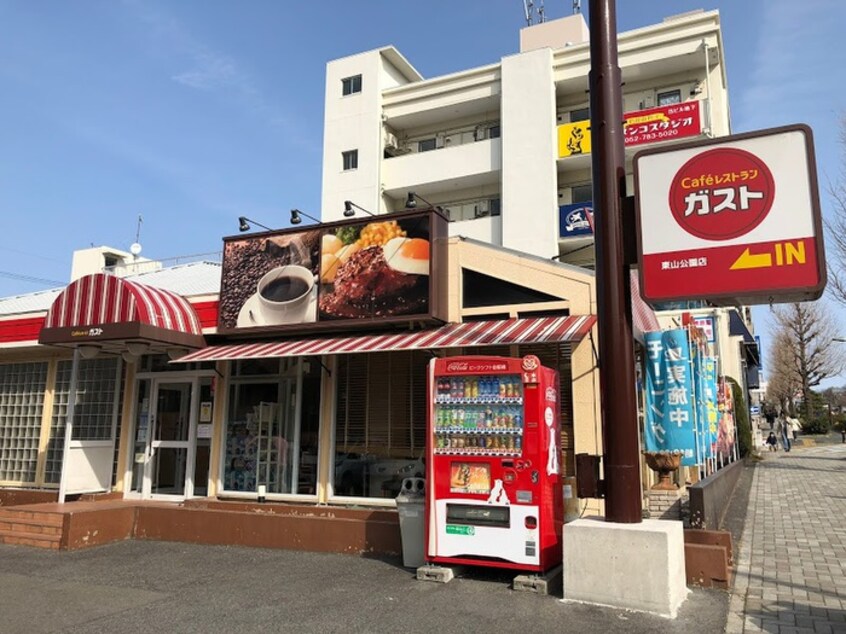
[
  {"x": 143, "y": 587},
  {"x": 792, "y": 564}
]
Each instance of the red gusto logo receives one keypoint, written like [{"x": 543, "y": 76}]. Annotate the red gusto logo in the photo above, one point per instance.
[{"x": 722, "y": 194}]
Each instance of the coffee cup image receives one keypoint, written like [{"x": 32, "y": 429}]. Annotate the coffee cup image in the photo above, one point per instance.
[{"x": 285, "y": 294}]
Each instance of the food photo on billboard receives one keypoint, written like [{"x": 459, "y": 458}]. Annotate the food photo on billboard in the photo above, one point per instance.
[
  {"x": 269, "y": 280},
  {"x": 375, "y": 269}
]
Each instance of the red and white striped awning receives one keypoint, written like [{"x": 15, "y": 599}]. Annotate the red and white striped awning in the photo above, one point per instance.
[
  {"x": 102, "y": 307},
  {"x": 466, "y": 335},
  {"x": 643, "y": 317}
]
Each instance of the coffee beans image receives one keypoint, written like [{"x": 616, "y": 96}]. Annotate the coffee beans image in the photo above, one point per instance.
[{"x": 246, "y": 260}]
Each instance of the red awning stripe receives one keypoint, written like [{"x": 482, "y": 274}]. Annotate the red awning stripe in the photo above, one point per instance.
[
  {"x": 643, "y": 317},
  {"x": 107, "y": 299},
  {"x": 468, "y": 334}
]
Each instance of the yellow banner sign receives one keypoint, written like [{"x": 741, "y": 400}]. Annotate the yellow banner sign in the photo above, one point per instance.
[{"x": 574, "y": 139}]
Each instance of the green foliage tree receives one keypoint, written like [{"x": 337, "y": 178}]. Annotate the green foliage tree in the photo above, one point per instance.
[{"x": 741, "y": 418}]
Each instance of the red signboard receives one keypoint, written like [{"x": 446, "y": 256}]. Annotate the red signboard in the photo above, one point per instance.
[
  {"x": 666, "y": 123},
  {"x": 731, "y": 220}
]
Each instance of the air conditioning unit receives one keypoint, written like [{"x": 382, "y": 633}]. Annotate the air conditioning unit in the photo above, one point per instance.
[
  {"x": 440, "y": 140},
  {"x": 391, "y": 141},
  {"x": 482, "y": 208},
  {"x": 480, "y": 133}
]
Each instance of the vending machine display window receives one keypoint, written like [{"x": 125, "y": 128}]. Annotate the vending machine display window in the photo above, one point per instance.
[
  {"x": 479, "y": 415},
  {"x": 468, "y": 477}
]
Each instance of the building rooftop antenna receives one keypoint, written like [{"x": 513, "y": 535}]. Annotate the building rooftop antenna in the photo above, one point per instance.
[
  {"x": 135, "y": 247},
  {"x": 541, "y": 13},
  {"x": 577, "y": 7},
  {"x": 529, "y": 11}
]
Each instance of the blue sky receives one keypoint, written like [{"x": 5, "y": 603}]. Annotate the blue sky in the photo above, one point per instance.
[{"x": 192, "y": 113}]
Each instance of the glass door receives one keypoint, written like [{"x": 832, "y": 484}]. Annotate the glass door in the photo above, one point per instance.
[{"x": 165, "y": 438}]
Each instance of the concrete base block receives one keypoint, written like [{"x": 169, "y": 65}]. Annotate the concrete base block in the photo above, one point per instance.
[
  {"x": 546, "y": 583},
  {"x": 438, "y": 574},
  {"x": 631, "y": 566}
]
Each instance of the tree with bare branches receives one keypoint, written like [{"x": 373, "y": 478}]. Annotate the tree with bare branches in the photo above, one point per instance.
[
  {"x": 836, "y": 225},
  {"x": 803, "y": 354}
]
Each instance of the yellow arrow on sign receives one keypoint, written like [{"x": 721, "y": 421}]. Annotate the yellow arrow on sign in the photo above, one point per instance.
[{"x": 752, "y": 261}]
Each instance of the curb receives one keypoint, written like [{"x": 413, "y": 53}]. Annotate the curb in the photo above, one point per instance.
[{"x": 735, "y": 621}]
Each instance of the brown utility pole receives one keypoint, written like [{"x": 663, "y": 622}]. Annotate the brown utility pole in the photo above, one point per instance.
[{"x": 623, "y": 502}]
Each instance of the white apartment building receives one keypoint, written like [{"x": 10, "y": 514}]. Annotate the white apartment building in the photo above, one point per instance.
[{"x": 494, "y": 145}]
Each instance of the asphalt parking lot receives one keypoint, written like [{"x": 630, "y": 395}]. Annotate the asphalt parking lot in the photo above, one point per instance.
[{"x": 139, "y": 586}]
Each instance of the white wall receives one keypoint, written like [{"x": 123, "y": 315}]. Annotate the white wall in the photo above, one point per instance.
[{"x": 529, "y": 153}]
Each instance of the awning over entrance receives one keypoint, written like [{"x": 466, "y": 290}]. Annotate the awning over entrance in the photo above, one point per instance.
[
  {"x": 465, "y": 335},
  {"x": 105, "y": 308}
]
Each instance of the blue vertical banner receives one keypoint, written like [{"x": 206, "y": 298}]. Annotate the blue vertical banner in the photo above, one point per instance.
[
  {"x": 709, "y": 388},
  {"x": 670, "y": 398}
]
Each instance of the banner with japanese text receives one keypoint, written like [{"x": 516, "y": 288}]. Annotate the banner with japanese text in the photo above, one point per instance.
[
  {"x": 664, "y": 123},
  {"x": 670, "y": 419},
  {"x": 708, "y": 415}
]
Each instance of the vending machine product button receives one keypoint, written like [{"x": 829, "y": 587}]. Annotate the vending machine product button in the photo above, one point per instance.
[
  {"x": 531, "y": 522},
  {"x": 525, "y": 497}
]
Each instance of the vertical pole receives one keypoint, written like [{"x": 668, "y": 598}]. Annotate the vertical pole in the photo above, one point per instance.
[
  {"x": 69, "y": 424},
  {"x": 623, "y": 500}
]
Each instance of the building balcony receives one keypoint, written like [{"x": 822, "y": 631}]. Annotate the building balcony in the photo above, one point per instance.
[{"x": 443, "y": 170}]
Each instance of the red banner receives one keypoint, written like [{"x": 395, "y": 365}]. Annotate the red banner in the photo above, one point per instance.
[{"x": 666, "y": 123}]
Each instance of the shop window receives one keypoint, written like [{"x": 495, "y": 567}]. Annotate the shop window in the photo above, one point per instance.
[
  {"x": 581, "y": 193},
  {"x": 350, "y": 159},
  {"x": 266, "y": 443},
  {"x": 96, "y": 410},
  {"x": 426, "y": 145},
  {"x": 22, "y": 387},
  {"x": 380, "y": 425},
  {"x": 580, "y": 114},
  {"x": 351, "y": 85},
  {"x": 669, "y": 97}
]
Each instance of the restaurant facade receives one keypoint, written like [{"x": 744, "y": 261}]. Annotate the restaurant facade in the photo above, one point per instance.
[{"x": 319, "y": 400}]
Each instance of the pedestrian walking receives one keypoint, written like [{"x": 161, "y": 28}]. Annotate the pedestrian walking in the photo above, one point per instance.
[
  {"x": 795, "y": 427},
  {"x": 783, "y": 431},
  {"x": 770, "y": 415}
]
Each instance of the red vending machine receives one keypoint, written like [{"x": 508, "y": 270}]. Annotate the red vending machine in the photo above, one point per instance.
[{"x": 494, "y": 483}]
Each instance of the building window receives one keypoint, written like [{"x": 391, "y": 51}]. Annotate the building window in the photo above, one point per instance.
[
  {"x": 96, "y": 411},
  {"x": 351, "y": 85},
  {"x": 581, "y": 193},
  {"x": 668, "y": 98},
  {"x": 380, "y": 423},
  {"x": 496, "y": 207},
  {"x": 426, "y": 145},
  {"x": 581, "y": 114},
  {"x": 350, "y": 159},
  {"x": 22, "y": 387},
  {"x": 266, "y": 443},
  {"x": 494, "y": 132}
]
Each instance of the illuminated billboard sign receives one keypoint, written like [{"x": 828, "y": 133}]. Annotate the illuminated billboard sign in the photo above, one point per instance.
[{"x": 348, "y": 273}]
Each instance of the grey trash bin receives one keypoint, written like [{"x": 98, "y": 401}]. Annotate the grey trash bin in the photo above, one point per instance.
[{"x": 411, "y": 504}]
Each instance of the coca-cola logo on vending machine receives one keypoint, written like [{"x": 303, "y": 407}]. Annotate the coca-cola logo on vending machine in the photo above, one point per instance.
[
  {"x": 530, "y": 366},
  {"x": 457, "y": 366},
  {"x": 530, "y": 363}
]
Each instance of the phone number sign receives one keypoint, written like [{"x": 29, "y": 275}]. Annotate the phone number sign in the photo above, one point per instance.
[{"x": 731, "y": 220}]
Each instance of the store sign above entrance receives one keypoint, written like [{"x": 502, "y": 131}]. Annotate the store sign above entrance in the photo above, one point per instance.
[
  {"x": 334, "y": 276},
  {"x": 665, "y": 123},
  {"x": 734, "y": 220}
]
